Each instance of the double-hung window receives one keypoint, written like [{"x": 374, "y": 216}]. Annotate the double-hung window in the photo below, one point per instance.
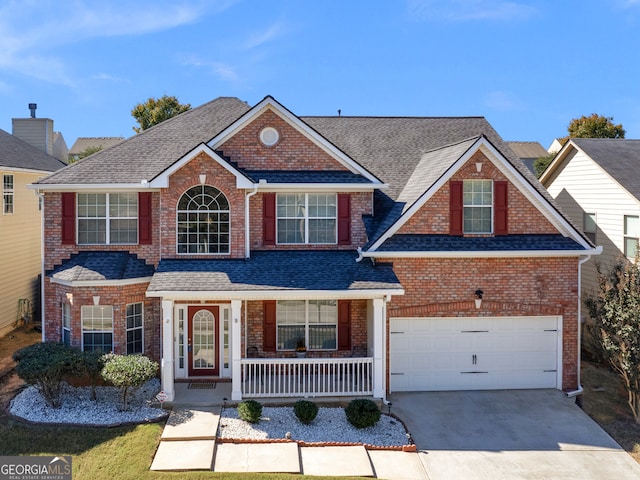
[
  {"x": 97, "y": 328},
  {"x": 134, "y": 328},
  {"x": 306, "y": 218},
  {"x": 312, "y": 323},
  {"x": 107, "y": 218},
  {"x": 477, "y": 197},
  {"x": 631, "y": 235},
  {"x": 66, "y": 323},
  {"x": 7, "y": 194}
]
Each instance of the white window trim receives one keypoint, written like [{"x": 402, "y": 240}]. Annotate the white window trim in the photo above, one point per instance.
[
  {"x": 306, "y": 329},
  {"x": 141, "y": 327},
  {"x": 8, "y": 192},
  {"x": 306, "y": 219},
  {"x": 97, "y": 331},
  {"x": 626, "y": 237},
  {"x": 107, "y": 218},
  {"x": 219, "y": 211},
  {"x": 66, "y": 315},
  {"x": 491, "y": 207}
]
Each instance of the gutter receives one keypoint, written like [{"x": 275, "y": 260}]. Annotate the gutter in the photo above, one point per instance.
[{"x": 247, "y": 237}]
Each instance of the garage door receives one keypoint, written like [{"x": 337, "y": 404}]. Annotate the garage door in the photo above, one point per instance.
[{"x": 474, "y": 353}]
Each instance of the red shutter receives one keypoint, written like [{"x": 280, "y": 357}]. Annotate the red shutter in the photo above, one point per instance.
[
  {"x": 344, "y": 219},
  {"x": 68, "y": 218},
  {"x": 269, "y": 326},
  {"x": 455, "y": 208},
  {"x": 144, "y": 218},
  {"x": 344, "y": 324},
  {"x": 500, "y": 210},
  {"x": 269, "y": 219}
]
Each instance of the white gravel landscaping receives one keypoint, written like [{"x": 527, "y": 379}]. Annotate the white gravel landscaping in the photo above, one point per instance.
[
  {"x": 78, "y": 409},
  {"x": 330, "y": 425}
]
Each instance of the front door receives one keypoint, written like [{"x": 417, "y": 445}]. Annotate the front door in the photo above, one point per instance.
[{"x": 202, "y": 340}]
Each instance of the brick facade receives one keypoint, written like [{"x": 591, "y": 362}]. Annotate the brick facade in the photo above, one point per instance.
[
  {"x": 442, "y": 287},
  {"x": 294, "y": 151}
]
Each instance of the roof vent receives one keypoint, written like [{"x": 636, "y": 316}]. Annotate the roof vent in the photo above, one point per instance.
[{"x": 33, "y": 107}]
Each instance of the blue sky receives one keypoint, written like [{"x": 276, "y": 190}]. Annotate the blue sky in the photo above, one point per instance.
[{"x": 529, "y": 67}]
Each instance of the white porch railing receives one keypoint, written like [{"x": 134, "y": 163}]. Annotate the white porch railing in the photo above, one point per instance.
[{"x": 306, "y": 377}]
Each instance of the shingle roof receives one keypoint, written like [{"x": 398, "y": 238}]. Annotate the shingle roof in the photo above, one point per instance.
[
  {"x": 620, "y": 158},
  {"x": 528, "y": 149},
  {"x": 275, "y": 271},
  {"x": 15, "y": 153},
  {"x": 446, "y": 243},
  {"x": 82, "y": 143},
  {"x": 322, "y": 176},
  {"x": 97, "y": 266},
  {"x": 148, "y": 154}
]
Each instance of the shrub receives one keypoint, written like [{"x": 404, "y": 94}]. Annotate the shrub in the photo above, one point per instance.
[
  {"x": 250, "y": 411},
  {"x": 305, "y": 410},
  {"x": 90, "y": 363},
  {"x": 45, "y": 365},
  {"x": 362, "y": 413},
  {"x": 127, "y": 372}
]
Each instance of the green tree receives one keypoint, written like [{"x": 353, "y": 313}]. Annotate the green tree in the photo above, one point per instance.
[
  {"x": 615, "y": 310},
  {"x": 595, "y": 126},
  {"x": 154, "y": 111},
  {"x": 540, "y": 164},
  {"x": 127, "y": 372},
  {"x": 85, "y": 153}
]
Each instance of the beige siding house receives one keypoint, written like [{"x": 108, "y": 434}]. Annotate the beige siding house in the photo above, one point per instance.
[
  {"x": 20, "y": 226},
  {"x": 595, "y": 181}
]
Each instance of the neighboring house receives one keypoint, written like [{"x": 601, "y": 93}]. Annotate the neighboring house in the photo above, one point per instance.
[
  {"x": 20, "y": 226},
  {"x": 39, "y": 133},
  {"x": 403, "y": 253},
  {"x": 83, "y": 143},
  {"x": 595, "y": 182},
  {"x": 528, "y": 152}
]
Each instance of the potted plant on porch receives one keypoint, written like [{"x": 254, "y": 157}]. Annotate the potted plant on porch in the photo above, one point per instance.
[{"x": 301, "y": 349}]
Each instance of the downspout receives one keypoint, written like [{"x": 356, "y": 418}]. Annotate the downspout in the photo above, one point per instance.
[
  {"x": 579, "y": 390},
  {"x": 42, "y": 275},
  {"x": 247, "y": 237}
]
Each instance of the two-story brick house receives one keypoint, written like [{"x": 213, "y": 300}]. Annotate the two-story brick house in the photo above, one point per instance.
[{"x": 402, "y": 253}]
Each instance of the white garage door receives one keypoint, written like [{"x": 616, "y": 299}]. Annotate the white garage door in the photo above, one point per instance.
[{"x": 474, "y": 353}]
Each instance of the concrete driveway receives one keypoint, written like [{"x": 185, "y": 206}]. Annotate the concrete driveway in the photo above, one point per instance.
[{"x": 511, "y": 434}]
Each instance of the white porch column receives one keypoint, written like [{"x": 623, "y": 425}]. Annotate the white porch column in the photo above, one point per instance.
[
  {"x": 236, "y": 350},
  {"x": 379, "y": 351},
  {"x": 167, "y": 363}
]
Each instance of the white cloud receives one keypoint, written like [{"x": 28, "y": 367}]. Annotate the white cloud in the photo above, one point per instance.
[
  {"x": 501, "y": 100},
  {"x": 32, "y": 31},
  {"x": 259, "y": 38},
  {"x": 470, "y": 10},
  {"x": 218, "y": 69}
]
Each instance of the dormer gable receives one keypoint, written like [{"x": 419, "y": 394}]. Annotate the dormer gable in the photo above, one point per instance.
[{"x": 433, "y": 200}]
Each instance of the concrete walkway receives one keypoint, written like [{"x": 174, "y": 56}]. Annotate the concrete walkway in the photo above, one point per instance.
[{"x": 188, "y": 443}]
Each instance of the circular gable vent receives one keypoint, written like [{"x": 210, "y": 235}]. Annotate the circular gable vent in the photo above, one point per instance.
[{"x": 269, "y": 136}]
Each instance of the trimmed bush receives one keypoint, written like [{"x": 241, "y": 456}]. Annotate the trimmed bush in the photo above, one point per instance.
[
  {"x": 127, "y": 372},
  {"x": 250, "y": 411},
  {"x": 362, "y": 413},
  {"x": 45, "y": 365},
  {"x": 306, "y": 411}
]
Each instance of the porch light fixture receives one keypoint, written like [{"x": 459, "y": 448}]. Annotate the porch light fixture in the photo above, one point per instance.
[
  {"x": 96, "y": 299},
  {"x": 203, "y": 178},
  {"x": 478, "y": 298}
]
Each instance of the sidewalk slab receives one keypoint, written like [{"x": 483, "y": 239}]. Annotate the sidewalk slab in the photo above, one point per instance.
[
  {"x": 352, "y": 461},
  {"x": 257, "y": 457},
  {"x": 394, "y": 465},
  {"x": 184, "y": 455},
  {"x": 192, "y": 424}
]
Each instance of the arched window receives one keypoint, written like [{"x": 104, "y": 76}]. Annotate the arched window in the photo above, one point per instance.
[{"x": 203, "y": 221}]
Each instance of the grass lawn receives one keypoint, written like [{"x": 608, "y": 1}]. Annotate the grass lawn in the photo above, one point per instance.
[{"x": 119, "y": 453}]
